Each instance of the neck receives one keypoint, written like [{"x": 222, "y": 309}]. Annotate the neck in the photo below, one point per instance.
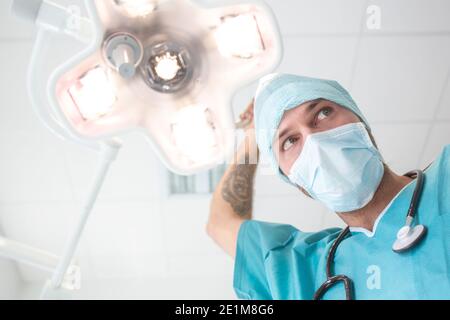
[{"x": 391, "y": 184}]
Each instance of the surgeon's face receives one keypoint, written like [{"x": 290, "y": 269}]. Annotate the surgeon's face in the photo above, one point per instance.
[{"x": 298, "y": 123}]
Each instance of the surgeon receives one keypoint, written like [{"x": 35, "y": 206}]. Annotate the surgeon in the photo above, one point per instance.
[{"x": 318, "y": 141}]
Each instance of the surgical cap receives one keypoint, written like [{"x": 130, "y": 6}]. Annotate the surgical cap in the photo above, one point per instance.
[{"x": 278, "y": 93}]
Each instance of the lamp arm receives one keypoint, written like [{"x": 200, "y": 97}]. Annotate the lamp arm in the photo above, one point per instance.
[{"x": 108, "y": 154}]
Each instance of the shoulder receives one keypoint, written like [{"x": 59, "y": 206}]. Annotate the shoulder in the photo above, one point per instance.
[
  {"x": 444, "y": 156},
  {"x": 438, "y": 180},
  {"x": 440, "y": 168}
]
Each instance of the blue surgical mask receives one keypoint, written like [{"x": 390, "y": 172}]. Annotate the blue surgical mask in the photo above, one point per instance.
[{"x": 339, "y": 167}]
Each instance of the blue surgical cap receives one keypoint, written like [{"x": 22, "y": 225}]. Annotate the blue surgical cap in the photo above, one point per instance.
[{"x": 278, "y": 93}]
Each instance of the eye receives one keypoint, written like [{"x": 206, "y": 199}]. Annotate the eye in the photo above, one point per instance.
[
  {"x": 324, "y": 113},
  {"x": 288, "y": 143}
]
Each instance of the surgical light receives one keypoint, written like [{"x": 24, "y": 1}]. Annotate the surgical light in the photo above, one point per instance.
[
  {"x": 138, "y": 73},
  {"x": 93, "y": 94},
  {"x": 194, "y": 133},
  {"x": 166, "y": 68},
  {"x": 249, "y": 42},
  {"x": 137, "y": 8},
  {"x": 123, "y": 52}
]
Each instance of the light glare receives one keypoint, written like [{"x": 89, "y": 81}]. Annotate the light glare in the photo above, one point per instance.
[
  {"x": 93, "y": 94},
  {"x": 194, "y": 135},
  {"x": 137, "y": 8},
  {"x": 167, "y": 66},
  {"x": 239, "y": 36}
]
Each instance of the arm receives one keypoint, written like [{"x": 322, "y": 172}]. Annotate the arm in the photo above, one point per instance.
[{"x": 232, "y": 201}]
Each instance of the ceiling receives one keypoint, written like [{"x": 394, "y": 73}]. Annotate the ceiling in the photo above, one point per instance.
[{"x": 142, "y": 243}]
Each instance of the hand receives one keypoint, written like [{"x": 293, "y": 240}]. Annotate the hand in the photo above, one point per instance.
[
  {"x": 246, "y": 118},
  {"x": 249, "y": 147}
]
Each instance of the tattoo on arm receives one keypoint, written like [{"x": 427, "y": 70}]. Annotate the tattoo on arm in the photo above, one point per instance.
[{"x": 238, "y": 189}]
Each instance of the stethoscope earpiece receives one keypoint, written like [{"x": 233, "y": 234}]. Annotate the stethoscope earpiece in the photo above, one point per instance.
[{"x": 407, "y": 237}]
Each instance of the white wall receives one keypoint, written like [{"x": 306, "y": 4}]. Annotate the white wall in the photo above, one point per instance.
[
  {"x": 11, "y": 284},
  {"x": 158, "y": 288}
]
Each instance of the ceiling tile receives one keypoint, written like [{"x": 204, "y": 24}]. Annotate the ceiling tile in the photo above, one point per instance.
[
  {"x": 157, "y": 288},
  {"x": 136, "y": 174},
  {"x": 128, "y": 265},
  {"x": 401, "y": 144},
  {"x": 41, "y": 225},
  {"x": 148, "y": 288},
  {"x": 124, "y": 240},
  {"x": 194, "y": 288},
  {"x": 400, "y": 78},
  {"x": 439, "y": 138},
  {"x": 32, "y": 167},
  {"x": 185, "y": 220},
  {"x": 321, "y": 57},
  {"x": 413, "y": 15},
  {"x": 25, "y": 138},
  {"x": 197, "y": 265},
  {"x": 295, "y": 17},
  {"x": 44, "y": 225},
  {"x": 10, "y": 26},
  {"x": 10, "y": 279},
  {"x": 16, "y": 111},
  {"x": 318, "y": 16}
]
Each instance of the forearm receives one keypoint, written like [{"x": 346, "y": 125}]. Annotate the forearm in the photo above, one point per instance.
[{"x": 233, "y": 197}]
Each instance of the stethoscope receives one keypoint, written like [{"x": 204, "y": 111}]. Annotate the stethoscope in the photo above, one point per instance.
[{"x": 407, "y": 237}]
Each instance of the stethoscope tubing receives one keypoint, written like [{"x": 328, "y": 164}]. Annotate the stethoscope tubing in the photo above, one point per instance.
[
  {"x": 348, "y": 283},
  {"x": 417, "y": 191}
]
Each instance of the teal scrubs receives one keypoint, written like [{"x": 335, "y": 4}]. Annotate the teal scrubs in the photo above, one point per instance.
[{"x": 278, "y": 261}]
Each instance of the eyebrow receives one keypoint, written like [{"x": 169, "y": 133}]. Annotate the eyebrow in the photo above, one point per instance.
[{"x": 309, "y": 109}]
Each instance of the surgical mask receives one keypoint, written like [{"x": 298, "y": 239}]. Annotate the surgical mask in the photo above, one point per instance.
[{"x": 340, "y": 167}]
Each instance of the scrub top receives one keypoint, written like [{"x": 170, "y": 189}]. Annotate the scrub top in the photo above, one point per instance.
[{"x": 278, "y": 261}]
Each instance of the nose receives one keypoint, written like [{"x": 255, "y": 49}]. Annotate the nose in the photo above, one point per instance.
[{"x": 306, "y": 131}]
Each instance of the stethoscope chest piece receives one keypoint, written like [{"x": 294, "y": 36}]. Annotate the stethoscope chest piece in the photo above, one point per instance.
[{"x": 407, "y": 237}]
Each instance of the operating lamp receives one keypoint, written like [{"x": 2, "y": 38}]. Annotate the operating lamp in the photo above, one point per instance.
[{"x": 165, "y": 68}]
